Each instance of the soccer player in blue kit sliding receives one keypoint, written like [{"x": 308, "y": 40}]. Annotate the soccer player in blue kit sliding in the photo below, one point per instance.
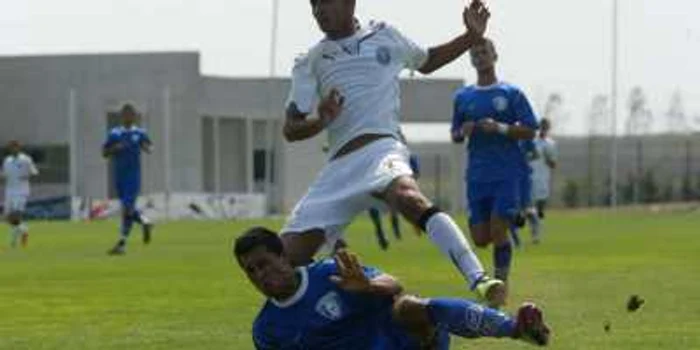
[
  {"x": 341, "y": 305},
  {"x": 124, "y": 145},
  {"x": 495, "y": 117}
]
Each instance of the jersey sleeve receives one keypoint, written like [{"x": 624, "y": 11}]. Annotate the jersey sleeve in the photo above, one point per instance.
[
  {"x": 411, "y": 54},
  {"x": 304, "y": 92},
  {"x": 112, "y": 139},
  {"x": 32, "y": 167},
  {"x": 145, "y": 139},
  {"x": 261, "y": 337},
  {"x": 550, "y": 152},
  {"x": 523, "y": 111}
]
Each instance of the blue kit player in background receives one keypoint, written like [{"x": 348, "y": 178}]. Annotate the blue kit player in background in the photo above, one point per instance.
[
  {"x": 124, "y": 146},
  {"x": 376, "y": 215},
  {"x": 341, "y": 305},
  {"x": 495, "y": 117}
]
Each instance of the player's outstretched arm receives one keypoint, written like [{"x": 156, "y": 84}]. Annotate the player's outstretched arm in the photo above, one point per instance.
[
  {"x": 475, "y": 18},
  {"x": 351, "y": 277}
]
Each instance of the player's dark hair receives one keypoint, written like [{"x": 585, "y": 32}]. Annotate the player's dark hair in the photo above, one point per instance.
[
  {"x": 128, "y": 108},
  {"x": 257, "y": 237}
]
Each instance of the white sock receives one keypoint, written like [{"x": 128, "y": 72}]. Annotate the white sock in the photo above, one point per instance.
[{"x": 445, "y": 233}]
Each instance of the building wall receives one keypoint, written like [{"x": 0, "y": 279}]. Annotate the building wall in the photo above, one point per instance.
[{"x": 34, "y": 96}]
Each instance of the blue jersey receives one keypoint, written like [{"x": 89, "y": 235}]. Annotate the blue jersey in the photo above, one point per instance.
[
  {"x": 322, "y": 316},
  {"x": 127, "y": 160},
  {"x": 493, "y": 157}
]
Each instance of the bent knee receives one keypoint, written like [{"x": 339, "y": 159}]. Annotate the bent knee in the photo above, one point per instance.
[{"x": 411, "y": 312}]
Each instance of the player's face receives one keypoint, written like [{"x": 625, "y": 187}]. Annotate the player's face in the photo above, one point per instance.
[
  {"x": 129, "y": 118},
  {"x": 483, "y": 56},
  {"x": 333, "y": 16},
  {"x": 13, "y": 147},
  {"x": 271, "y": 274},
  {"x": 545, "y": 126}
]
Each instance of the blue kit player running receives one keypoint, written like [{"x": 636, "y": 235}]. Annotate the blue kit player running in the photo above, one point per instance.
[
  {"x": 341, "y": 305},
  {"x": 495, "y": 116},
  {"x": 124, "y": 146}
]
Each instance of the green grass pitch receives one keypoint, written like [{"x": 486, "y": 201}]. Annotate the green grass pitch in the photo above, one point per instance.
[{"x": 185, "y": 291}]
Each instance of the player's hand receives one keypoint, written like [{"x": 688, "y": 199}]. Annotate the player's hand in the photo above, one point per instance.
[
  {"x": 475, "y": 18},
  {"x": 468, "y": 128},
  {"x": 488, "y": 125},
  {"x": 330, "y": 106},
  {"x": 350, "y": 275}
]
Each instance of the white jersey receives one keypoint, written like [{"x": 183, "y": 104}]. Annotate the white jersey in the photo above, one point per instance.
[
  {"x": 541, "y": 173},
  {"x": 16, "y": 170},
  {"x": 365, "y": 69}
]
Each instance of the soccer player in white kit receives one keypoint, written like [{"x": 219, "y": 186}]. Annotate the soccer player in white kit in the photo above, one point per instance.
[
  {"x": 17, "y": 168},
  {"x": 542, "y": 168},
  {"x": 351, "y": 80}
]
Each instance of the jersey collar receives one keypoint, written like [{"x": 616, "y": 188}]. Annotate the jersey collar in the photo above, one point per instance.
[
  {"x": 487, "y": 87},
  {"x": 303, "y": 286}
]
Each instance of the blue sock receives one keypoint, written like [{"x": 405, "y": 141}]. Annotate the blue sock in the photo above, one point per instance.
[
  {"x": 469, "y": 319},
  {"x": 514, "y": 235},
  {"x": 502, "y": 256},
  {"x": 396, "y": 225},
  {"x": 127, "y": 223}
]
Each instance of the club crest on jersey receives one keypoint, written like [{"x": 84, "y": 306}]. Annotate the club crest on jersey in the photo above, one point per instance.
[
  {"x": 329, "y": 306},
  {"x": 500, "y": 103},
  {"x": 383, "y": 55},
  {"x": 135, "y": 138}
]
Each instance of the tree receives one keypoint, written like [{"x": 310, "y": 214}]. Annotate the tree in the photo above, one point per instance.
[
  {"x": 676, "y": 121},
  {"x": 639, "y": 120},
  {"x": 554, "y": 111},
  {"x": 599, "y": 116}
]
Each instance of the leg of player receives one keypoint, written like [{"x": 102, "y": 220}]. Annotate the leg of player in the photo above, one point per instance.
[
  {"x": 534, "y": 221},
  {"x": 427, "y": 318},
  {"x": 404, "y": 195},
  {"x": 146, "y": 225},
  {"x": 300, "y": 247},
  {"x": 23, "y": 230},
  {"x": 540, "y": 208},
  {"x": 15, "y": 232},
  {"x": 378, "y": 229},
  {"x": 502, "y": 247},
  {"x": 128, "y": 207},
  {"x": 515, "y": 235},
  {"x": 395, "y": 224}
]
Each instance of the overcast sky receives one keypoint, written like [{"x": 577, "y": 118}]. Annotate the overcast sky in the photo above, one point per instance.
[{"x": 545, "y": 45}]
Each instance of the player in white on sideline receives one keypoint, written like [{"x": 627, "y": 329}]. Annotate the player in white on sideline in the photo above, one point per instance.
[
  {"x": 17, "y": 168},
  {"x": 351, "y": 79},
  {"x": 542, "y": 168}
]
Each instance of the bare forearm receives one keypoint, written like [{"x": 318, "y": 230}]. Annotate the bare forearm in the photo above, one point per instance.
[
  {"x": 441, "y": 55},
  {"x": 519, "y": 132},
  {"x": 302, "y": 129}
]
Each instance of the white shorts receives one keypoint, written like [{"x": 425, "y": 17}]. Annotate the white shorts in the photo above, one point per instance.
[
  {"x": 345, "y": 188},
  {"x": 15, "y": 203},
  {"x": 540, "y": 190}
]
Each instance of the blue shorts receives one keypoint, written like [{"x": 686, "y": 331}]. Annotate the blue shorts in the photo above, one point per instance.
[
  {"x": 525, "y": 189},
  {"x": 486, "y": 199}
]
